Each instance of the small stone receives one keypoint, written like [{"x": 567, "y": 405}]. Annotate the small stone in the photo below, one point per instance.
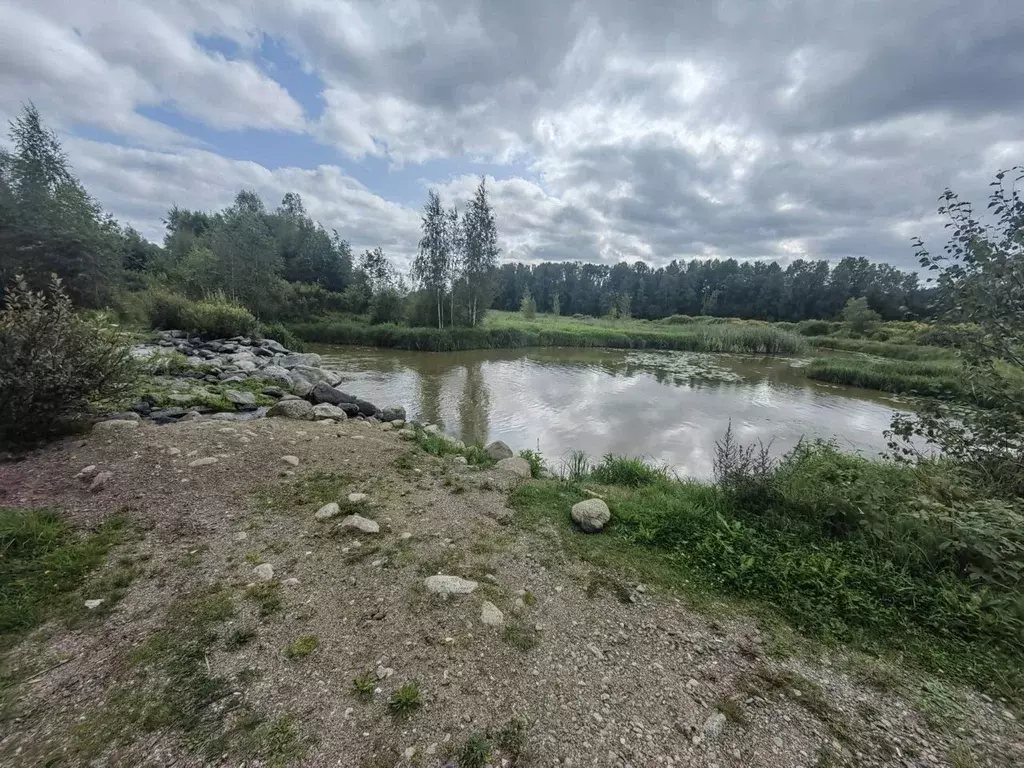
[
  {"x": 449, "y": 585},
  {"x": 173, "y": 451},
  {"x": 292, "y": 582},
  {"x": 516, "y": 465},
  {"x": 490, "y": 615},
  {"x": 100, "y": 481},
  {"x": 114, "y": 425},
  {"x": 383, "y": 673},
  {"x": 92, "y": 604},
  {"x": 591, "y": 515},
  {"x": 410, "y": 753},
  {"x": 86, "y": 473},
  {"x": 356, "y": 498},
  {"x": 293, "y": 460},
  {"x": 264, "y": 571},
  {"x": 360, "y": 523},
  {"x": 292, "y": 409},
  {"x": 241, "y": 536},
  {"x": 713, "y": 726},
  {"x": 205, "y": 462},
  {"x": 405, "y": 536},
  {"x": 327, "y": 511},
  {"x": 393, "y": 413}
]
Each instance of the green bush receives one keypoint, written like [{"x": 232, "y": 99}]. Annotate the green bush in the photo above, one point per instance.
[
  {"x": 56, "y": 364},
  {"x": 283, "y": 336},
  {"x": 387, "y": 306},
  {"x": 167, "y": 310},
  {"x": 629, "y": 471},
  {"x": 814, "y": 328},
  {"x": 219, "y": 318}
]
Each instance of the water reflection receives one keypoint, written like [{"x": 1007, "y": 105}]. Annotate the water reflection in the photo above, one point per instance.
[{"x": 667, "y": 406}]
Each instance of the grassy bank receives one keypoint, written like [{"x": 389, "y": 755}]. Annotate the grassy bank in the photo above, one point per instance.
[
  {"x": 889, "y": 559},
  {"x": 508, "y": 330},
  {"x": 928, "y": 379}
]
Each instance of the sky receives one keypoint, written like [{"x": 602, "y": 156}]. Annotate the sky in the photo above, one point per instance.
[{"x": 608, "y": 131}]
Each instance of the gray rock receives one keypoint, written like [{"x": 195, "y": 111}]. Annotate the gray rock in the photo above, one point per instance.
[
  {"x": 498, "y": 451},
  {"x": 294, "y": 359},
  {"x": 86, "y": 473},
  {"x": 408, "y": 433},
  {"x": 273, "y": 392},
  {"x": 264, "y": 571},
  {"x": 168, "y": 413},
  {"x": 94, "y": 604},
  {"x": 393, "y": 413},
  {"x": 245, "y": 365},
  {"x": 115, "y": 425},
  {"x": 238, "y": 397},
  {"x": 328, "y": 411},
  {"x": 301, "y": 387},
  {"x": 327, "y": 511},
  {"x": 360, "y": 523},
  {"x": 449, "y": 585},
  {"x": 292, "y": 409},
  {"x": 350, "y": 409},
  {"x": 100, "y": 481},
  {"x": 516, "y": 465},
  {"x": 356, "y": 498},
  {"x": 311, "y": 374},
  {"x": 398, "y": 423},
  {"x": 204, "y": 462},
  {"x": 123, "y": 416},
  {"x": 289, "y": 396},
  {"x": 323, "y": 392},
  {"x": 366, "y": 408},
  {"x": 713, "y": 726},
  {"x": 334, "y": 378},
  {"x": 274, "y": 347},
  {"x": 490, "y": 615},
  {"x": 432, "y": 429},
  {"x": 293, "y": 460},
  {"x": 276, "y": 374},
  {"x": 591, "y": 515}
]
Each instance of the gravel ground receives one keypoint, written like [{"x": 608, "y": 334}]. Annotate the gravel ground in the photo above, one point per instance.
[{"x": 626, "y": 677}]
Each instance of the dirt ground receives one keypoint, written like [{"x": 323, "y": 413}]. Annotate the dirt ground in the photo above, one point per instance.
[{"x": 198, "y": 664}]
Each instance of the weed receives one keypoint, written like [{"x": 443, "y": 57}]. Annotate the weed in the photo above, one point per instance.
[
  {"x": 805, "y": 692},
  {"x": 305, "y": 493},
  {"x": 943, "y": 707},
  {"x": 529, "y": 598},
  {"x": 626, "y": 471},
  {"x": 406, "y": 700},
  {"x": 249, "y": 675},
  {"x": 276, "y": 742},
  {"x": 238, "y": 638},
  {"x": 961, "y": 756},
  {"x": 267, "y": 596},
  {"x": 535, "y": 460},
  {"x": 575, "y": 467},
  {"x": 511, "y": 739},
  {"x": 521, "y": 637},
  {"x": 301, "y": 647},
  {"x": 475, "y": 752},
  {"x": 253, "y": 558},
  {"x": 732, "y": 709},
  {"x": 364, "y": 685}
]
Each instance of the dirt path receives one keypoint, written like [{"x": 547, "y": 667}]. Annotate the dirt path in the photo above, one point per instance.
[{"x": 201, "y": 663}]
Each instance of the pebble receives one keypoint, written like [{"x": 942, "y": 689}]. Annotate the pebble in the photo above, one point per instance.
[
  {"x": 91, "y": 604},
  {"x": 491, "y": 615},
  {"x": 100, "y": 481},
  {"x": 264, "y": 571},
  {"x": 356, "y": 498},
  {"x": 293, "y": 460},
  {"x": 449, "y": 585},
  {"x": 327, "y": 511},
  {"x": 205, "y": 462},
  {"x": 360, "y": 523}
]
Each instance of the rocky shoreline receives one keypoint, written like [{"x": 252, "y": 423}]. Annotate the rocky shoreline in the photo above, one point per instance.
[{"x": 239, "y": 379}]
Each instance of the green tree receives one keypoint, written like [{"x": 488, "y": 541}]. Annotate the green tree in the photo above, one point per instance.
[
  {"x": 556, "y": 305},
  {"x": 48, "y": 223},
  {"x": 480, "y": 244},
  {"x": 980, "y": 279},
  {"x": 527, "y": 306},
  {"x": 432, "y": 265},
  {"x": 859, "y": 316}
]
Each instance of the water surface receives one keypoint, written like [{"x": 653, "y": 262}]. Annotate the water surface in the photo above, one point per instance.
[{"x": 669, "y": 407}]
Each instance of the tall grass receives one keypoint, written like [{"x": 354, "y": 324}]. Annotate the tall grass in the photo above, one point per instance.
[
  {"x": 932, "y": 379},
  {"x": 507, "y": 331},
  {"x": 904, "y": 351}
]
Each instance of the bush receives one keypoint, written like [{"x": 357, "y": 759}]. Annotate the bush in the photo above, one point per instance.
[
  {"x": 387, "y": 306},
  {"x": 814, "y": 328},
  {"x": 167, "y": 310},
  {"x": 56, "y": 364},
  {"x": 282, "y": 336},
  {"x": 219, "y": 318}
]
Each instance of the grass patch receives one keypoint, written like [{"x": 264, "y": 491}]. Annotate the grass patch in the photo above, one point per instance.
[
  {"x": 406, "y": 700},
  {"x": 940, "y": 378},
  {"x": 599, "y": 583},
  {"x": 364, "y": 685},
  {"x": 238, "y": 638},
  {"x": 942, "y": 707},
  {"x": 521, "y": 637},
  {"x": 267, "y": 596},
  {"x": 732, "y": 709},
  {"x": 475, "y": 751},
  {"x": 305, "y": 493},
  {"x": 301, "y": 647},
  {"x": 808, "y": 694},
  {"x": 44, "y": 569},
  {"x": 630, "y": 472}
]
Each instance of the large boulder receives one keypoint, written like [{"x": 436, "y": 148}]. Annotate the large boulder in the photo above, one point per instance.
[
  {"x": 292, "y": 409},
  {"x": 366, "y": 408},
  {"x": 301, "y": 387},
  {"x": 591, "y": 515},
  {"x": 328, "y": 411},
  {"x": 393, "y": 413},
  {"x": 325, "y": 393},
  {"x": 311, "y": 374},
  {"x": 276, "y": 374},
  {"x": 350, "y": 409},
  {"x": 516, "y": 465},
  {"x": 244, "y": 400},
  {"x": 273, "y": 346},
  {"x": 292, "y": 360},
  {"x": 498, "y": 451}
]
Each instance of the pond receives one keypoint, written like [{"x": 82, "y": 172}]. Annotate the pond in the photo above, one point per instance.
[{"x": 669, "y": 407}]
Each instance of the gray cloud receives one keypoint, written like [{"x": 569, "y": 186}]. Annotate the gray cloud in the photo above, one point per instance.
[{"x": 650, "y": 129}]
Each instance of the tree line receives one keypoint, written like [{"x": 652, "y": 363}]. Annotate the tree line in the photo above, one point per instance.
[{"x": 280, "y": 264}]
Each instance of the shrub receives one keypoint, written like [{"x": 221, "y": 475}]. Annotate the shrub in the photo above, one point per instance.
[
  {"x": 814, "y": 328},
  {"x": 56, "y": 364},
  {"x": 624, "y": 470},
  {"x": 282, "y": 336},
  {"x": 167, "y": 310},
  {"x": 535, "y": 459},
  {"x": 218, "y": 317},
  {"x": 387, "y": 306}
]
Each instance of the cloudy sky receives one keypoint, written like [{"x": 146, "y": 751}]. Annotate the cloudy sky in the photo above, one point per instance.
[{"x": 651, "y": 129}]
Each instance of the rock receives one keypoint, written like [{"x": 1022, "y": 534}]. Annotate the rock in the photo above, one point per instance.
[
  {"x": 328, "y": 411},
  {"x": 591, "y": 515},
  {"x": 713, "y": 726},
  {"x": 516, "y": 465},
  {"x": 240, "y": 398},
  {"x": 327, "y": 511},
  {"x": 123, "y": 416},
  {"x": 432, "y": 429},
  {"x": 292, "y": 409},
  {"x": 172, "y": 451},
  {"x": 498, "y": 451},
  {"x": 264, "y": 571},
  {"x": 393, "y": 413},
  {"x": 93, "y": 604},
  {"x": 167, "y": 413},
  {"x": 205, "y": 462},
  {"x": 100, "y": 481},
  {"x": 398, "y": 423},
  {"x": 323, "y": 392},
  {"x": 356, "y": 498},
  {"x": 360, "y": 523},
  {"x": 115, "y": 425},
  {"x": 408, "y": 433},
  {"x": 366, "y": 408},
  {"x": 463, "y": 460},
  {"x": 449, "y": 585},
  {"x": 289, "y": 396},
  {"x": 311, "y": 374},
  {"x": 490, "y": 615},
  {"x": 276, "y": 374},
  {"x": 273, "y": 392},
  {"x": 301, "y": 387},
  {"x": 197, "y": 416},
  {"x": 293, "y": 360},
  {"x": 293, "y": 460},
  {"x": 274, "y": 347},
  {"x": 351, "y": 409},
  {"x": 86, "y": 473}
]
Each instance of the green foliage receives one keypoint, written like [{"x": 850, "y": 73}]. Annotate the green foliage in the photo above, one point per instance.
[
  {"x": 475, "y": 751},
  {"x": 406, "y": 700},
  {"x": 364, "y": 685},
  {"x": 282, "y": 335},
  {"x": 44, "y": 566},
  {"x": 528, "y": 307},
  {"x": 535, "y": 459},
  {"x": 859, "y": 316},
  {"x": 301, "y": 647},
  {"x": 219, "y": 318},
  {"x": 575, "y": 466},
  {"x": 521, "y": 637},
  {"x": 814, "y": 328},
  {"x": 627, "y": 471},
  {"x": 57, "y": 364},
  {"x": 387, "y": 306},
  {"x": 927, "y": 378}
]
